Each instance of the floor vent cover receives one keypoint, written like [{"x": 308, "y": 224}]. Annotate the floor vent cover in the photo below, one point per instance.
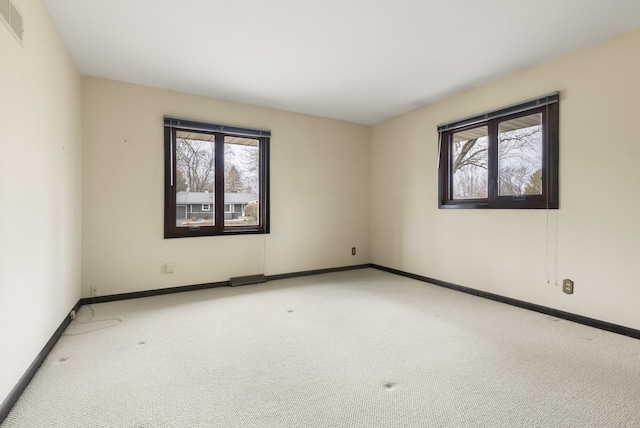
[{"x": 246, "y": 280}]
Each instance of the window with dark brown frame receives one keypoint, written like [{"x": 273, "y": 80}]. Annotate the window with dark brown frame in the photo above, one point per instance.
[
  {"x": 506, "y": 158},
  {"x": 209, "y": 168}
]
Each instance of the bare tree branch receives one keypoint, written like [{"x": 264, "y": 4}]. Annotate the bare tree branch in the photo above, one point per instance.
[{"x": 195, "y": 165}]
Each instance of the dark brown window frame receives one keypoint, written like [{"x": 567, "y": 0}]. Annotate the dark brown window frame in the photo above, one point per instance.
[
  {"x": 171, "y": 125},
  {"x": 548, "y": 107}
]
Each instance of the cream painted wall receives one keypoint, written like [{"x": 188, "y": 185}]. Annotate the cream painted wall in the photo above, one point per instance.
[
  {"x": 320, "y": 193},
  {"x": 594, "y": 237},
  {"x": 39, "y": 190}
]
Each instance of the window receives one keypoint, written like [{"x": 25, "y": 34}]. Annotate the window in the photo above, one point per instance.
[
  {"x": 506, "y": 158},
  {"x": 213, "y": 167}
]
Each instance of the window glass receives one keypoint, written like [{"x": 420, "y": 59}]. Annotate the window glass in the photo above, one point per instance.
[
  {"x": 520, "y": 156},
  {"x": 195, "y": 179},
  {"x": 469, "y": 163},
  {"x": 241, "y": 181}
]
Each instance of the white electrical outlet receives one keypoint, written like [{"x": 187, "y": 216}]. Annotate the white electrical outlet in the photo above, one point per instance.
[
  {"x": 168, "y": 268},
  {"x": 95, "y": 291}
]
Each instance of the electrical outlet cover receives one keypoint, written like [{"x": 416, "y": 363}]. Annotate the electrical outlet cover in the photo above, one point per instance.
[{"x": 567, "y": 286}]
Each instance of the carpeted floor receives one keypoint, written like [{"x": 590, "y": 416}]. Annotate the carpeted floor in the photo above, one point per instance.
[{"x": 361, "y": 348}]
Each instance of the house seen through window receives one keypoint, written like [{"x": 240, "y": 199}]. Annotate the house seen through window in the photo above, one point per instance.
[{"x": 216, "y": 179}]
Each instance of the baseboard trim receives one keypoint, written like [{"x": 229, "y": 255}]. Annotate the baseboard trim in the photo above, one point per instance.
[
  {"x": 183, "y": 288},
  {"x": 150, "y": 293},
  {"x": 8, "y": 403},
  {"x": 591, "y": 322},
  {"x": 315, "y": 272}
]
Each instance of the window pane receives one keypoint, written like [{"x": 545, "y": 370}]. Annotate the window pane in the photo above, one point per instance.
[
  {"x": 520, "y": 156},
  {"x": 195, "y": 171},
  {"x": 469, "y": 163},
  {"x": 241, "y": 181}
]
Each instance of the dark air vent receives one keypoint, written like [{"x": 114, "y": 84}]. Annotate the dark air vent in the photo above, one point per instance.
[
  {"x": 246, "y": 280},
  {"x": 10, "y": 16},
  {"x": 4, "y": 9}
]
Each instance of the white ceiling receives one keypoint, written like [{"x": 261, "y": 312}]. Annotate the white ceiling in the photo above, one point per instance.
[{"x": 362, "y": 61}]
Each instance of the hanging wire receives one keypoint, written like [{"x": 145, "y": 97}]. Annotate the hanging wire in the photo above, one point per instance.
[
  {"x": 171, "y": 165},
  {"x": 439, "y": 148},
  {"x": 92, "y": 321}
]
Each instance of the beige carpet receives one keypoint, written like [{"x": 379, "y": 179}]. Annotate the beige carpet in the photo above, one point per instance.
[{"x": 360, "y": 348}]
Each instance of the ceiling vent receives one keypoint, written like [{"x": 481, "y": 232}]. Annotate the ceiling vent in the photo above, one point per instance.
[{"x": 11, "y": 18}]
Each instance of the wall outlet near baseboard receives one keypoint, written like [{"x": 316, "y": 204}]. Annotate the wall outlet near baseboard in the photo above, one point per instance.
[
  {"x": 168, "y": 267},
  {"x": 95, "y": 290},
  {"x": 353, "y": 251},
  {"x": 567, "y": 286}
]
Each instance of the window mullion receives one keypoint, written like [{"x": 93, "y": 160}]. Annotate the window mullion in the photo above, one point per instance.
[
  {"x": 219, "y": 182},
  {"x": 261, "y": 163},
  {"x": 263, "y": 184},
  {"x": 492, "y": 161}
]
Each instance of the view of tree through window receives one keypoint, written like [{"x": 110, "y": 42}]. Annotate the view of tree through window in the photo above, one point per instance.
[
  {"x": 241, "y": 185},
  {"x": 215, "y": 181},
  {"x": 195, "y": 178},
  {"x": 470, "y": 163},
  {"x": 506, "y": 158},
  {"x": 520, "y": 156},
  {"x": 519, "y": 159}
]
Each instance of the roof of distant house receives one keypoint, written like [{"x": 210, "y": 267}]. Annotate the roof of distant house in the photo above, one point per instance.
[{"x": 183, "y": 198}]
